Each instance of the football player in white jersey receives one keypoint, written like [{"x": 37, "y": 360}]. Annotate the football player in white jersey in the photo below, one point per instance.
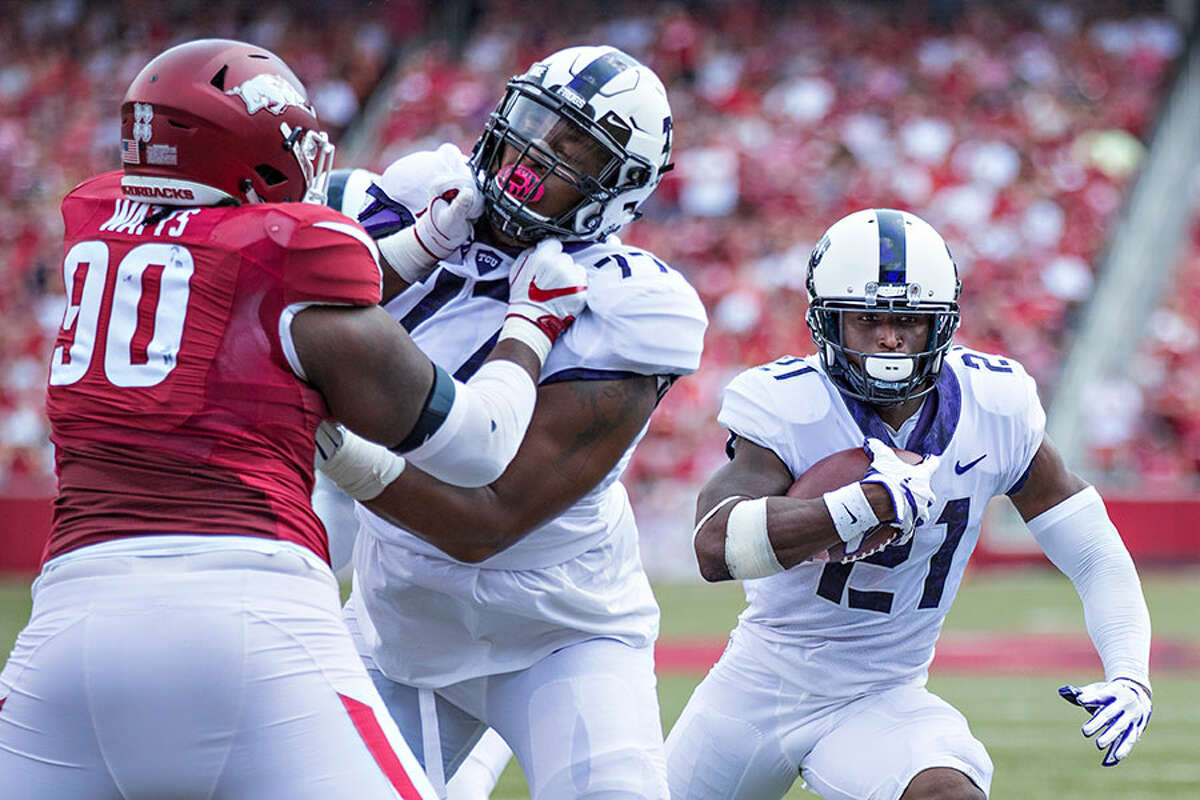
[
  {"x": 824, "y": 677},
  {"x": 522, "y": 604}
]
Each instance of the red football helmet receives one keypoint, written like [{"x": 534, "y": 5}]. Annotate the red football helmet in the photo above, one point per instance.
[{"x": 216, "y": 120}]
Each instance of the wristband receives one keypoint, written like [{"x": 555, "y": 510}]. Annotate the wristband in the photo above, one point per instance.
[
  {"x": 851, "y": 511},
  {"x": 528, "y": 333},
  {"x": 748, "y": 550}
]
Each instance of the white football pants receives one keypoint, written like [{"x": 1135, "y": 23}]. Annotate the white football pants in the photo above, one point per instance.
[
  {"x": 222, "y": 675},
  {"x": 748, "y": 733},
  {"x": 583, "y": 722}
]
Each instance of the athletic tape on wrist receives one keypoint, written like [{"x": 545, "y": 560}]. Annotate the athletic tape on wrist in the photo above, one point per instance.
[
  {"x": 362, "y": 469},
  {"x": 527, "y": 332},
  {"x": 748, "y": 550},
  {"x": 851, "y": 511},
  {"x": 405, "y": 254}
]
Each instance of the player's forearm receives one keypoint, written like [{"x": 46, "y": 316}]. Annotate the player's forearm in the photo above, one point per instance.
[
  {"x": 393, "y": 284},
  {"x": 797, "y": 529},
  {"x": 1078, "y": 537},
  {"x": 518, "y": 353},
  {"x": 469, "y": 524}
]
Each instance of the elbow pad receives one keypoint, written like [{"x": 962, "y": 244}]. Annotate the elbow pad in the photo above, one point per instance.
[
  {"x": 1080, "y": 539},
  {"x": 482, "y": 427}
]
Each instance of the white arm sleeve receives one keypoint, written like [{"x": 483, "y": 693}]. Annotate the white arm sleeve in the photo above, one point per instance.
[
  {"x": 483, "y": 429},
  {"x": 1081, "y": 540}
]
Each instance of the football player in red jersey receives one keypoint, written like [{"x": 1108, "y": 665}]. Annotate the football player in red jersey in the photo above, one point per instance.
[{"x": 186, "y": 637}]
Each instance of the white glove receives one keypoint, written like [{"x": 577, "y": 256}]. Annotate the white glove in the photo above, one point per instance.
[
  {"x": 908, "y": 484},
  {"x": 440, "y": 229},
  {"x": 546, "y": 289},
  {"x": 362, "y": 469},
  {"x": 1120, "y": 709}
]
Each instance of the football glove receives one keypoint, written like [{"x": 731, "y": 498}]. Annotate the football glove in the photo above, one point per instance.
[
  {"x": 445, "y": 225},
  {"x": 1119, "y": 711},
  {"x": 908, "y": 484},
  {"x": 547, "y": 288}
]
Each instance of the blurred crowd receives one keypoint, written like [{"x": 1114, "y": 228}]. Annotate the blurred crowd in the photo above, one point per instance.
[
  {"x": 66, "y": 65},
  {"x": 1151, "y": 433},
  {"x": 1014, "y": 128}
]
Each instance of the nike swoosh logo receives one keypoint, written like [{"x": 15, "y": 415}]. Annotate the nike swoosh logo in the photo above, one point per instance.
[
  {"x": 846, "y": 508},
  {"x": 960, "y": 468},
  {"x": 540, "y": 295}
]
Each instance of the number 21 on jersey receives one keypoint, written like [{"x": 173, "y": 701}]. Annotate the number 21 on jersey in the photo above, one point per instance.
[{"x": 146, "y": 312}]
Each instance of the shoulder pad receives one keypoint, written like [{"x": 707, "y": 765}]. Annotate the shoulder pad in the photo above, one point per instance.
[
  {"x": 305, "y": 226},
  {"x": 999, "y": 384}
]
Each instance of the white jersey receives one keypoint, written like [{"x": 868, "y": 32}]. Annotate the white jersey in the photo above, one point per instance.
[
  {"x": 844, "y": 629},
  {"x": 642, "y": 318}
]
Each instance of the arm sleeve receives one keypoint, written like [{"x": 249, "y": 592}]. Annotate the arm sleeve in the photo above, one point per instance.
[
  {"x": 1080, "y": 539},
  {"x": 482, "y": 429}
]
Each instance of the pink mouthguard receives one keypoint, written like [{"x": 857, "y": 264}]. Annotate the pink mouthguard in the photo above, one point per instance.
[{"x": 520, "y": 181}]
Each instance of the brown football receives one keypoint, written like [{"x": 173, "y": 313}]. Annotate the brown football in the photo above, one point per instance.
[{"x": 835, "y": 471}]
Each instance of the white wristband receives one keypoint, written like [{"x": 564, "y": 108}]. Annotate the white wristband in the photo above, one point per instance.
[
  {"x": 525, "y": 331},
  {"x": 851, "y": 511},
  {"x": 362, "y": 468},
  {"x": 748, "y": 551}
]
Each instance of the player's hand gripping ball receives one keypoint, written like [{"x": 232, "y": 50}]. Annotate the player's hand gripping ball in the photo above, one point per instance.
[{"x": 835, "y": 471}]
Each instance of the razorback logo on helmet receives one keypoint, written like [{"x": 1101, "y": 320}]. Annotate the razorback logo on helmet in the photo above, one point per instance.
[
  {"x": 159, "y": 192},
  {"x": 270, "y": 92}
]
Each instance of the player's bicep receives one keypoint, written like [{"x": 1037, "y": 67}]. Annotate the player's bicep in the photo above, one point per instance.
[
  {"x": 1049, "y": 482},
  {"x": 373, "y": 377},
  {"x": 754, "y": 471}
]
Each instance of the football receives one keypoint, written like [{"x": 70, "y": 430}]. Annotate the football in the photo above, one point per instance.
[{"x": 833, "y": 472}]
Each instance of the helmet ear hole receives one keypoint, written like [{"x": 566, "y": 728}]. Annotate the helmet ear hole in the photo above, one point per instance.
[{"x": 272, "y": 176}]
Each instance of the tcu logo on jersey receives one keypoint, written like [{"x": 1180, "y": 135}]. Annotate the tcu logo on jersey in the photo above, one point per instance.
[
  {"x": 270, "y": 92},
  {"x": 486, "y": 261}
]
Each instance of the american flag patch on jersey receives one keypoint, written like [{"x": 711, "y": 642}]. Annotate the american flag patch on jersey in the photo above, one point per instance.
[{"x": 129, "y": 151}]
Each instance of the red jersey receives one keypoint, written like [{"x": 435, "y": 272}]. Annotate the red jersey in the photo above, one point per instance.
[{"x": 172, "y": 406}]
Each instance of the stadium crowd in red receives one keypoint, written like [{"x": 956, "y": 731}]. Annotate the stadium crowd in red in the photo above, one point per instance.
[{"x": 1014, "y": 129}]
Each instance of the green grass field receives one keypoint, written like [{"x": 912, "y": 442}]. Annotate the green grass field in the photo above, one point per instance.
[{"x": 1033, "y": 737}]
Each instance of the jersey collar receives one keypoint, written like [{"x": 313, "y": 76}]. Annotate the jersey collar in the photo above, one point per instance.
[{"x": 936, "y": 422}]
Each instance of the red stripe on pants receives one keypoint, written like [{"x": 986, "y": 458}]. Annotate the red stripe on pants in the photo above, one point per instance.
[{"x": 363, "y": 717}]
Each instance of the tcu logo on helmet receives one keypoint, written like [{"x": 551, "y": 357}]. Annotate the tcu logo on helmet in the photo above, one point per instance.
[{"x": 270, "y": 92}]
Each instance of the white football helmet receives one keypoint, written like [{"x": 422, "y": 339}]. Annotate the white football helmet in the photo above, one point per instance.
[
  {"x": 886, "y": 262},
  {"x": 348, "y": 190},
  {"x": 613, "y": 104}
]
